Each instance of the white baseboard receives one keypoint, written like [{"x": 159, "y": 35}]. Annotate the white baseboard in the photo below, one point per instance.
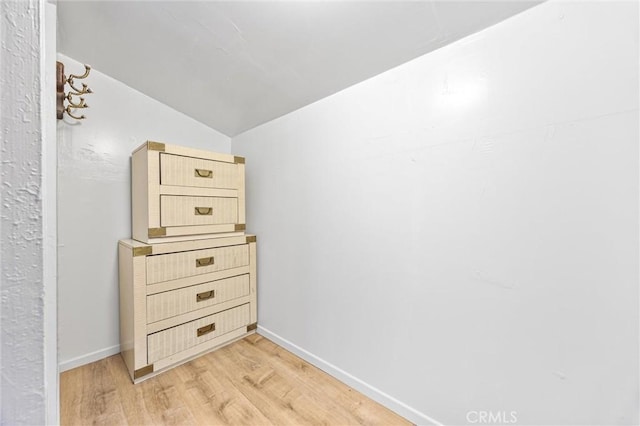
[
  {"x": 377, "y": 395},
  {"x": 88, "y": 358}
]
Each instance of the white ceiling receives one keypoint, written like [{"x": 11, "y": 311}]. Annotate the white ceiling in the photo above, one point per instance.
[{"x": 235, "y": 65}]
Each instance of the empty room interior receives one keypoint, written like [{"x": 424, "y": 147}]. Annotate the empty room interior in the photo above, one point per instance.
[{"x": 320, "y": 212}]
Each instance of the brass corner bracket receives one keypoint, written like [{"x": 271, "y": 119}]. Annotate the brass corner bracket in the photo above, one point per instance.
[
  {"x": 143, "y": 371},
  {"x": 157, "y": 232},
  {"x": 155, "y": 146}
]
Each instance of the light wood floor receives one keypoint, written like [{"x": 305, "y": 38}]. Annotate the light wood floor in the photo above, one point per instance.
[{"x": 250, "y": 382}]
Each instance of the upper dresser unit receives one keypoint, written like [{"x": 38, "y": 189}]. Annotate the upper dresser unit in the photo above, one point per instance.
[{"x": 182, "y": 193}]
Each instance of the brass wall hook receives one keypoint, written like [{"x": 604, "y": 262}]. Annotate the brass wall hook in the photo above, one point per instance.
[{"x": 61, "y": 96}]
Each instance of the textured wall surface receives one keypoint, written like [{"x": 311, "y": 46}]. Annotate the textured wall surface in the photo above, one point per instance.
[
  {"x": 94, "y": 204},
  {"x": 22, "y": 290},
  {"x": 459, "y": 235}
]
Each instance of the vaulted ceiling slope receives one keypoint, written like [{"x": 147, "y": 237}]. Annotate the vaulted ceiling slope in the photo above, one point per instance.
[{"x": 235, "y": 65}]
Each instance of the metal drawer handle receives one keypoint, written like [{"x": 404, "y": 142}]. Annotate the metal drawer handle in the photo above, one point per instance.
[
  {"x": 204, "y": 211},
  {"x": 205, "y": 296},
  {"x": 204, "y": 173},
  {"x": 206, "y": 329},
  {"x": 205, "y": 261}
]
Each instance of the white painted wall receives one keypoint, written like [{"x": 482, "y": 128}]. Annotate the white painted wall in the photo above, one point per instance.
[
  {"x": 460, "y": 233},
  {"x": 28, "y": 353},
  {"x": 49, "y": 214},
  {"x": 94, "y": 204}
]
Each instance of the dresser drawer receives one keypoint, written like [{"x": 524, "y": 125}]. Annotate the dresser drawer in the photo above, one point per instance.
[
  {"x": 177, "y": 302},
  {"x": 181, "y": 194},
  {"x": 165, "y": 296},
  {"x": 182, "y": 211},
  {"x": 198, "y": 172},
  {"x": 173, "y": 340},
  {"x": 173, "y": 266}
]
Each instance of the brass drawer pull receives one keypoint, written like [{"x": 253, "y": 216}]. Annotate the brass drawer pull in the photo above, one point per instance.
[
  {"x": 205, "y": 261},
  {"x": 204, "y": 211},
  {"x": 204, "y": 173},
  {"x": 206, "y": 329},
  {"x": 205, "y": 295}
]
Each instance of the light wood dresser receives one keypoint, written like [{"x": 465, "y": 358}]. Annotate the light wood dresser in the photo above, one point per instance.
[
  {"x": 195, "y": 289},
  {"x": 180, "y": 192}
]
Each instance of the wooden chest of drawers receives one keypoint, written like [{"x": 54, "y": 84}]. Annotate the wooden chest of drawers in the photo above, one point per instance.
[
  {"x": 182, "y": 193},
  {"x": 181, "y": 299}
]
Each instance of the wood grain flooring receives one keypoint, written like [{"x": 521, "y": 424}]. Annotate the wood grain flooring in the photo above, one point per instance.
[{"x": 250, "y": 382}]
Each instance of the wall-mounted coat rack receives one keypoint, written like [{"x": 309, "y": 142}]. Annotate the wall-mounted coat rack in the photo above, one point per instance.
[{"x": 61, "y": 96}]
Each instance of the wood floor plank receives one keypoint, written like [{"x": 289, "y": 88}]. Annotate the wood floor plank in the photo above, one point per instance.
[
  {"x": 94, "y": 399},
  {"x": 131, "y": 397},
  {"x": 214, "y": 400},
  {"x": 164, "y": 404},
  {"x": 250, "y": 382},
  {"x": 70, "y": 399},
  {"x": 357, "y": 407},
  {"x": 261, "y": 386},
  {"x": 303, "y": 393}
]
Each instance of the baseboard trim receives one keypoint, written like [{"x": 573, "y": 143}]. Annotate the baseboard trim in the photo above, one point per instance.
[
  {"x": 377, "y": 395},
  {"x": 88, "y": 358}
]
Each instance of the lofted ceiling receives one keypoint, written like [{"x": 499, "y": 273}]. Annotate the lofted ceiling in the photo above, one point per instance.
[{"x": 235, "y": 65}]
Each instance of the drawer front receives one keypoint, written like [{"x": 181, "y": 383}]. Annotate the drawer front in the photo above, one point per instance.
[
  {"x": 166, "y": 267},
  {"x": 178, "y": 302},
  {"x": 168, "y": 342},
  {"x": 188, "y": 171},
  {"x": 181, "y": 211}
]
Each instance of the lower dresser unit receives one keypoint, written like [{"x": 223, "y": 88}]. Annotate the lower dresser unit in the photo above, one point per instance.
[{"x": 179, "y": 300}]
